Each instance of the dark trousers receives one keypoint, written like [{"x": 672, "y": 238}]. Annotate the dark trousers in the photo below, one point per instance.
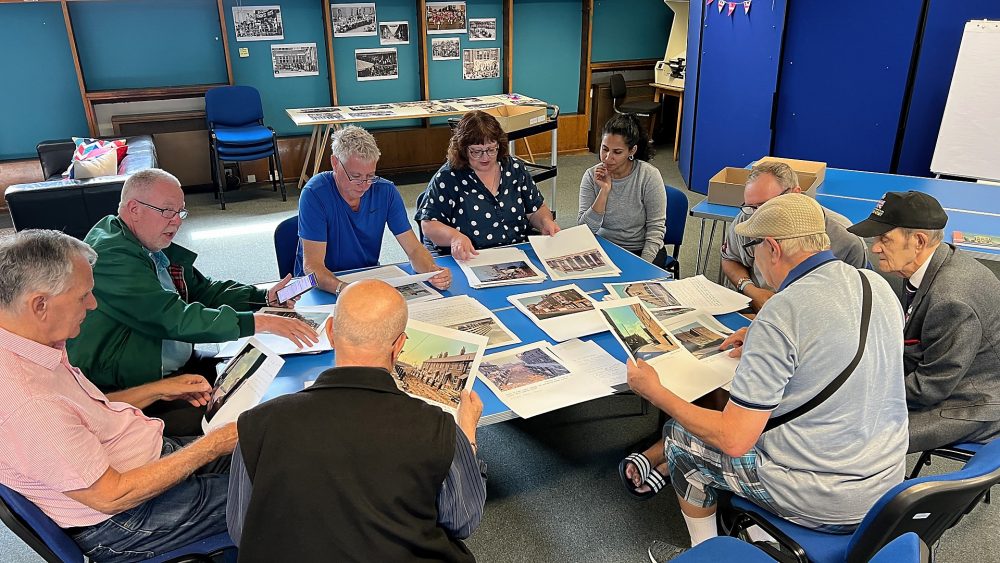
[{"x": 181, "y": 418}]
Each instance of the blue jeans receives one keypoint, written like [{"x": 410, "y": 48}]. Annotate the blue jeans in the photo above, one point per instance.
[{"x": 189, "y": 511}]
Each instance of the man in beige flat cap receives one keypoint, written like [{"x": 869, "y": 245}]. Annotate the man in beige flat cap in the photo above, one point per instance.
[{"x": 815, "y": 430}]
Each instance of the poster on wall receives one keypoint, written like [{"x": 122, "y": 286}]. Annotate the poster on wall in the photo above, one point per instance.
[
  {"x": 445, "y": 49},
  {"x": 376, "y": 64},
  {"x": 258, "y": 23},
  {"x": 478, "y": 64},
  {"x": 294, "y": 59},
  {"x": 353, "y": 20},
  {"x": 482, "y": 29},
  {"x": 445, "y": 17},
  {"x": 394, "y": 33}
]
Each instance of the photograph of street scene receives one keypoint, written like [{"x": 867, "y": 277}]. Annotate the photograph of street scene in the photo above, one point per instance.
[
  {"x": 315, "y": 319},
  {"x": 510, "y": 370},
  {"x": 557, "y": 304},
  {"x": 505, "y": 271},
  {"x": 489, "y": 328},
  {"x": 434, "y": 367},
  {"x": 652, "y": 294},
  {"x": 638, "y": 331},
  {"x": 239, "y": 370},
  {"x": 699, "y": 339}
]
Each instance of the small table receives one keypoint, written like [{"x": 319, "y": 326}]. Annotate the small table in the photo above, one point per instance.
[{"x": 660, "y": 90}]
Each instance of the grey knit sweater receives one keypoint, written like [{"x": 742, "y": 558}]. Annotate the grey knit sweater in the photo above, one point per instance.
[{"x": 636, "y": 212}]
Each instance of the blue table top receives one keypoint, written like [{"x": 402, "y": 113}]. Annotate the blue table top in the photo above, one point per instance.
[{"x": 306, "y": 367}]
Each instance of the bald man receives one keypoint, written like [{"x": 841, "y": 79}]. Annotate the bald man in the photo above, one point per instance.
[{"x": 352, "y": 468}]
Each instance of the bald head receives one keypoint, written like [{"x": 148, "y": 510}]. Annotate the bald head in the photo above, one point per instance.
[{"x": 370, "y": 316}]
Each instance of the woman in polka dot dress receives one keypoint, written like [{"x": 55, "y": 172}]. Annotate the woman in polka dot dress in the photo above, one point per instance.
[{"x": 482, "y": 197}]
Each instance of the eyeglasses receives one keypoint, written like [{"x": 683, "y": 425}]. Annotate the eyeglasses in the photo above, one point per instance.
[
  {"x": 749, "y": 246},
  {"x": 356, "y": 179},
  {"x": 167, "y": 213},
  {"x": 479, "y": 153},
  {"x": 749, "y": 209}
]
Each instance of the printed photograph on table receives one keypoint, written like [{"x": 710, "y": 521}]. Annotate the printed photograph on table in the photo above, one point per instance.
[
  {"x": 482, "y": 29},
  {"x": 587, "y": 262},
  {"x": 637, "y": 330},
  {"x": 394, "y": 33},
  {"x": 445, "y": 17},
  {"x": 417, "y": 291},
  {"x": 504, "y": 272},
  {"x": 517, "y": 368},
  {"x": 258, "y": 23},
  {"x": 438, "y": 363},
  {"x": 353, "y": 20},
  {"x": 700, "y": 340},
  {"x": 445, "y": 49},
  {"x": 670, "y": 312},
  {"x": 294, "y": 59},
  {"x": 478, "y": 64},
  {"x": 488, "y": 327},
  {"x": 557, "y": 304},
  {"x": 652, "y": 294},
  {"x": 376, "y": 64},
  {"x": 325, "y": 116},
  {"x": 239, "y": 369},
  {"x": 314, "y": 319}
]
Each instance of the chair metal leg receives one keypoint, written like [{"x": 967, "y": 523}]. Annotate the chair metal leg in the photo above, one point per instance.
[
  {"x": 272, "y": 173},
  {"x": 923, "y": 460},
  {"x": 221, "y": 187},
  {"x": 281, "y": 174}
]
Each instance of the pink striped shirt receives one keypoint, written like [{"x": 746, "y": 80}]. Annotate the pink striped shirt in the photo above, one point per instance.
[{"x": 59, "y": 433}]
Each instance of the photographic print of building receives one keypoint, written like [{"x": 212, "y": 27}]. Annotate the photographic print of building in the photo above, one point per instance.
[
  {"x": 478, "y": 64},
  {"x": 504, "y": 271},
  {"x": 485, "y": 327},
  {"x": 579, "y": 262},
  {"x": 434, "y": 367},
  {"x": 557, "y": 304},
  {"x": 654, "y": 295},
  {"x": 699, "y": 339},
  {"x": 639, "y": 331},
  {"x": 394, "y": 33},
  {"x": 517, "y": 370}
]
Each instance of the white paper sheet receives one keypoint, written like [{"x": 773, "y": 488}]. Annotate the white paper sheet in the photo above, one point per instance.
[
  {"x": 563, "y": 312},
  {"x": 437, "y": 363},
  {"x": 573, "y": 253},
  {"x": 700, "y": 293},
  {"x": 410, "y": 285},
  {"x": 464, "y": 313},
  {"x": 281, "y": 345},
  {"x": 593, "y": 360},
  {"x": 500, "y": 266},
  {"x": 242, "y": 384}
]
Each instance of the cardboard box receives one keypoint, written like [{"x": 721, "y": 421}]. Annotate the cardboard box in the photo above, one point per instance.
[
  {"x": 726, "y": 187},
  {"x": 515, "y": 118},
  {"x": 811, "y": 173}
]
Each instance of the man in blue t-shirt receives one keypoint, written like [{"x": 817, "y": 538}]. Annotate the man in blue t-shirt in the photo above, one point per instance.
[{"x": 343, "y": 213}]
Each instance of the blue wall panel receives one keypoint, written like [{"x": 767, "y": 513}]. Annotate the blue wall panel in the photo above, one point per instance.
[
  {"x": 684, "y": 155},
  {"x": 739, "y": 66},
  {"x": 936, "y": 63},
  {"x": 303, "y": 23},
  {"x": 843, "y": 81},
  {"x": 39, "y": 98},
  {"x": 148, "y": 43},
  {"x": 547, "y": 44},
  {"x": 626, "y": 30}
]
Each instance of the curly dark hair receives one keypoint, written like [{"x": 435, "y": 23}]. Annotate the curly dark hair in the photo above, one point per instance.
[
  {"x": 628, "y": 127},
  {"x": 475, "y": 128}
]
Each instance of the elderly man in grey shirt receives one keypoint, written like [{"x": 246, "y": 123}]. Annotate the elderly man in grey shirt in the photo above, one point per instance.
[
  {"x": 825, "y": 468},
  {"x": 766, "y": 181}
]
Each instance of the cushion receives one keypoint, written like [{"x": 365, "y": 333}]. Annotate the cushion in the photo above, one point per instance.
[
  {"x": 85, "y": 145},
  {"x": 100, "y": 162}
]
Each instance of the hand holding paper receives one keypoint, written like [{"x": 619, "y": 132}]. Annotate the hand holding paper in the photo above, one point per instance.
[
  {"x": 642, "y": 378},
  {"x": 735, "y": 340}
]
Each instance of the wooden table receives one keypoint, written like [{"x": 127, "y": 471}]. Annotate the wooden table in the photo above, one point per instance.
[{"x": 660, "y": 90}]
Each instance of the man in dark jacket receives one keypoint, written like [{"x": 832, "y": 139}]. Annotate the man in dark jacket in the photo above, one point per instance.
[{"x": 352, "y": 468}]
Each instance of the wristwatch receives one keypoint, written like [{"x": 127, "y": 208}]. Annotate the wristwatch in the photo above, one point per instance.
[{"x": 742, "y": 283}]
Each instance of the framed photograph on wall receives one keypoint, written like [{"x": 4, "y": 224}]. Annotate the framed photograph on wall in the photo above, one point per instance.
[
  {"x": 353, "y": 20},
  {"x": 482, "y": 29},
  {"x": 258, "y": 23},
  {"x": 445, "y": 17},
  {"x": 394, "y": 33},
  {"x": 478, "y": 64},
  {"x": 294, "y": 59},
  {"x": 376, "y": 64},
  {"x": 445, "y": 49}
]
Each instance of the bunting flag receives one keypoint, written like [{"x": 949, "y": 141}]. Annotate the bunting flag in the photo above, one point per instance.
[
  {"x": 732, "y": 8},
  {"x": 746, "y": 7},
  {"x": 721, "y": 5},
  {"x": 707, "y": 2}
]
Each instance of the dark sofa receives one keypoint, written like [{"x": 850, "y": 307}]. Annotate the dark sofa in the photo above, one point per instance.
[{"x": 73, "y": 206}]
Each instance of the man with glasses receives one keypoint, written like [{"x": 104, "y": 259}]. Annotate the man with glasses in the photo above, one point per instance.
[
  {"x": 153, "y": 306},
  {"x": 767, "y": 181},
  {"x": 343, "y": 215}
]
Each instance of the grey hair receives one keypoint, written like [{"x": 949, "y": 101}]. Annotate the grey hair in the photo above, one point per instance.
[
  {"x": 38, "y": 259},
  {"x": 809, "y": 243},
  {"x": 138, "y": 184},
  {"x": 934, "y": 236},
  {"x": 354, "y": 141},
  {"x": 782, "y": 172}
]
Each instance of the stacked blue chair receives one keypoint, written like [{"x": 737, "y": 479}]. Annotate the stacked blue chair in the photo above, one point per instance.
[
  {"x": 237, "y": 134},
  {"x": 907, "y": 548}
]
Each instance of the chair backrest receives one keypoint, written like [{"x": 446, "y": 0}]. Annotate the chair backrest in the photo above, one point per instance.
[
  {"x": 618, "y": 88},
  {"x": 677, "y": 214},
  {"x": 36, "y": 529},
  {"x": 926, "y": 505},
  {"x": 233, "y": 106},
  {"x": 286, "y": 244}
]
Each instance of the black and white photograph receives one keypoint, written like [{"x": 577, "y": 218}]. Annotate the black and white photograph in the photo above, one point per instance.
[
  {"x": 294, "y": 59},
  {"x": 482, "y": 29},
  {"x": 258, "y": 23},
  {"x": 394, "y": 33},
  {"x": 326, "y": 116},
  {"x": 237, "y": 371},
  {"x": 478, "y": 64},
  {"x": 445, "y": 49},
  {"x": 374, "y": 113},
  {"x": 484, "y": 105},
  {"x": 376, "y": 64},
  {"x": 445, "y": 17},
  {"x": 353, "y": 20},
  {"x": 368, "y": 107}
]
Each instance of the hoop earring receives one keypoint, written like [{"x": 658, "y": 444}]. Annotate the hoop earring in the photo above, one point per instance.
[{"x": 631, "y": 157}]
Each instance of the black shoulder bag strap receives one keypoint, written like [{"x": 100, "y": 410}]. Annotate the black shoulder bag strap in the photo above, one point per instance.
[{"x": 866, "y": 313}]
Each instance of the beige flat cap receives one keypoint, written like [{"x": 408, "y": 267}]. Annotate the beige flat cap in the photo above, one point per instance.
[{"x": 784, "y": 217}]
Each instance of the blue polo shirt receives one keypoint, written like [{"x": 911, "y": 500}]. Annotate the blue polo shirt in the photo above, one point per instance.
[{"x": 353, "y": 238}]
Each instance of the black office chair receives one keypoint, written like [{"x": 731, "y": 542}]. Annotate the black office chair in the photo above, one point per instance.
[{"x": 618, "y": 93}]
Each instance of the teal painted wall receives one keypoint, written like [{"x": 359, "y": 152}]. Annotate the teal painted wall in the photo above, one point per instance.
[
  {"x": 547, "y": 44},
  {"x": 626, "y": 30}
]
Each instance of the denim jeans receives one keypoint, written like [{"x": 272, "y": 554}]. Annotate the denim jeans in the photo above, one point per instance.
[{"x": 189, "y": 511}]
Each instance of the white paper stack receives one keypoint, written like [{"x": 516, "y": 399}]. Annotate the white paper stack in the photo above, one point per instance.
[
  {"x": 315, "y": 316},
  {"x": 494, "y": 267},
  {"x": 573, "y": 253},
  {"x": 563, "y": 312},
  {"x": 412, "y": 286},
  {"x": 690, "y": 293},
  {"x": 464, "y": 313}
]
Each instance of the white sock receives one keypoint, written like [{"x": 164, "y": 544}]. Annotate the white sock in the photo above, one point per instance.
[
  {"x": 701, "y": 529},
  {"x": 757, "y": 533}
]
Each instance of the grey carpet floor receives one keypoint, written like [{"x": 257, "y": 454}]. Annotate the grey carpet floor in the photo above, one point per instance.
[{"x": 553, "y": 490}]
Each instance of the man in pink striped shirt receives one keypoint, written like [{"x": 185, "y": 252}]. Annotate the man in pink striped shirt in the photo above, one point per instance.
[{"x": 99, "y": 468}]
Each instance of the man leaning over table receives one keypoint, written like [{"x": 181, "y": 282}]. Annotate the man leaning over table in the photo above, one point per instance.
[
  {"x": 95, "y": 465},
  {"x": 343, "y": 215},
  {"x": 153, "y": 306}
]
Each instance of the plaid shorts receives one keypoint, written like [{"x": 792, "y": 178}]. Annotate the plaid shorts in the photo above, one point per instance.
[{"x": 698, "y": 470}]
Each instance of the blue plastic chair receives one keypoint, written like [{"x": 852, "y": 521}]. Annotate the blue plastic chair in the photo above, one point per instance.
[
  {"x": 237, "y": 134},
  {"x": 54, "y": 545},
  {"x": 677, "y": 214},
  {"x": 286, "y": 244},
  {"x": 927, "y": 505},
  {"x": 907, "y": 548}
]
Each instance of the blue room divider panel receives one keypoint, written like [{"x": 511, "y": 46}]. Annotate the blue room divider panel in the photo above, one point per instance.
[
  {"x": 943, "y": 29},
  {"x": 737, "y": 78},
  {"x": 684, "y": 155},
  {"x": 843, "y": 81}
]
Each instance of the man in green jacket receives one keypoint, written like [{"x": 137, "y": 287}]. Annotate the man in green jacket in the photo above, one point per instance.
[{"x": 153, "y": 305}]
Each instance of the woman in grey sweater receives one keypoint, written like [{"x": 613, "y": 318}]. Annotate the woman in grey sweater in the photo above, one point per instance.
[{"x": 623, "y": 199}]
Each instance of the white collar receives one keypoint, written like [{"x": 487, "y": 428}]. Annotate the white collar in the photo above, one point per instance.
[{"x": 918, "y": 276}]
